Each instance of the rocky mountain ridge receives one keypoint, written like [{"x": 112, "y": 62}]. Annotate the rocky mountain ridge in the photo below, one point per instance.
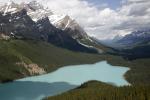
[{"x": 18, "y": 20}]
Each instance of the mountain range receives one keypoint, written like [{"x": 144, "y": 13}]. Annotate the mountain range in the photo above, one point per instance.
[
  {"x": 33, "y": 21},
  {"x": 132, "y": 46}
]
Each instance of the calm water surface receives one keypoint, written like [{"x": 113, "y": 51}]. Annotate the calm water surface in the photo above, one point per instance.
[{"x": 61, "y": 80}]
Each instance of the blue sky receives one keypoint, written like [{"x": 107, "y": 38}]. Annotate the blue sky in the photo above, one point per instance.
[{"x": 113, "y": 4}]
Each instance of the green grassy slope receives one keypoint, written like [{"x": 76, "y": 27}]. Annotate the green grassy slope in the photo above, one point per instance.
[
  {"x": 100, "y": 91},
  {"x": 44, "y": 54}
]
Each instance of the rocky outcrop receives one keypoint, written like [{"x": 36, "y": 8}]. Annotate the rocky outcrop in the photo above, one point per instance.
[
  {"x": 33, "y": 69},
  {"x": 4, "y": 37}
]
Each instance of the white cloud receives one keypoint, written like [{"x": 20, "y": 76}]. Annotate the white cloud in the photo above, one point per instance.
[
  {"x": 137, "y": 15},
  {"x": 96, "y": 22},
  {"x": 104, "y": 22}
]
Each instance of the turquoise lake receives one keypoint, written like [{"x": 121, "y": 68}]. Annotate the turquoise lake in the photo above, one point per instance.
[{"x": 62, "y": 80}]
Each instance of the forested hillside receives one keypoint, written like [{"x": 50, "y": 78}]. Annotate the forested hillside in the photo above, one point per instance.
[{"x": 94, "y": 90}]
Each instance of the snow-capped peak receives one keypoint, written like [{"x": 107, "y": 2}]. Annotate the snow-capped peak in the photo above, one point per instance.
[
  {"x": 10, "y": 7},
  {"x": 34, "y": 9},
  {"x": 64, "y": 22},
  {"x": 37, "y": 11},
  {"x": 39, "y": 14},
  {"x": 60, "y": 21}
]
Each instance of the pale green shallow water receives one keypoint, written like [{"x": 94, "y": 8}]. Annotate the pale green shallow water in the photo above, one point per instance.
[{"x": 61, "y": 80}]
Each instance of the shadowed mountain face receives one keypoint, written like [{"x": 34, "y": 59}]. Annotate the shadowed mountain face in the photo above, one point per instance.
[
  {"x": 32, "y": 90},
  {"x": 135, "y": 52},
  {"x": 18, "y": 24},
  {"x": 59, "y": 37}
]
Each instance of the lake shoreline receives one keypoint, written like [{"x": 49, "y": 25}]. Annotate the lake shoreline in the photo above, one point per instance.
[
  {"x": 62, "y": 80},
  {"x": 10, "y": 81}
]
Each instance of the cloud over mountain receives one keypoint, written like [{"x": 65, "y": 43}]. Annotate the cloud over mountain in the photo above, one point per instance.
[{"x": 104, "y": 22}]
